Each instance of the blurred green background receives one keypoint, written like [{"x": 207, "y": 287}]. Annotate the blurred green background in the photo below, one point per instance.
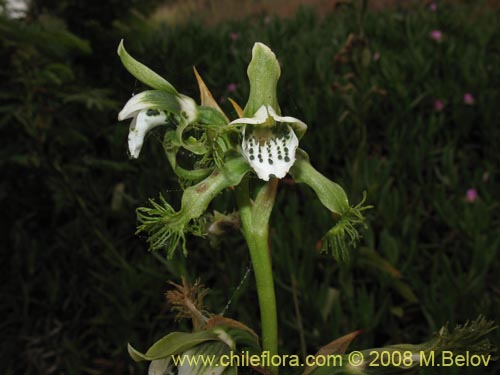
[{"x": 388, "y": 113}]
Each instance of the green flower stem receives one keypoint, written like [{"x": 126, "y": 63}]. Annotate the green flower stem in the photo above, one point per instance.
[{"x": 255, "y": 224}]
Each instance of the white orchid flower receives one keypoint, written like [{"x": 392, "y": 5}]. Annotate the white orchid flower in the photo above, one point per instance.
[
  {"x": 150, "y": 109},
  {"x": 269, "y": 142}
]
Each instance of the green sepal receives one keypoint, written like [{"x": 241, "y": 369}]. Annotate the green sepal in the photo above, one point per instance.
[
  {"x": 173, "y": 343},
  {"x": 196, "y": 199},
  {"x": 211, "y": 116},
  {"x": 191, "y": 143},
  {"x": 344, "y": 233},
  {"x": 217, "y": 133},
  {"x": 329, "y": 193},
  {"x": 171, "y": 149},
  {"x": 241, "y": 336},
  {"x": 143, "y": 73},
  {"x": 263, "y": 73},
  {"x": 166, "y": 228},
  {"x": 244, "y": 340}
]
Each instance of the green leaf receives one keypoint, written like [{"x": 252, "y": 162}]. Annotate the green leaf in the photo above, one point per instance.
[{"x": 143, "y": 73}]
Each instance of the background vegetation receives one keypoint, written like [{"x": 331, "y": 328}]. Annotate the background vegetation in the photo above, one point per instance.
[{"x": 77, "y": 284}]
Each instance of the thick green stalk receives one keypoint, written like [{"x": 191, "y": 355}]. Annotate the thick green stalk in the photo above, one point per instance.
[{"x": 255, "y": 224}]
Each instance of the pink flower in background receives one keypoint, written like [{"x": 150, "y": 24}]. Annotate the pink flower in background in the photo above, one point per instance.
[
  {"x": 468, "y": 98},
  {"x": 234, "y": 36},
  {"x": 436, "y": 35},
  {"x": 222, "y": 100},
  {"x": 438, "y": 105},
  {"x": 433, "y": 7},
  {"x": 232, "y": 87},
  {"x": 471, "y": 196},
  {"x": 376, "y": 56}
]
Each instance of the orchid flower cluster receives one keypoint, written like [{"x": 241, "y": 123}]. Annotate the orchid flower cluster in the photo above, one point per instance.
[
  {"x": 225, "y": 154},
  {"x": 260, "y": 141}
]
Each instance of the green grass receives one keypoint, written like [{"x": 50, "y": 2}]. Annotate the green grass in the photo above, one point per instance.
[{"x": 78, "y": 285}]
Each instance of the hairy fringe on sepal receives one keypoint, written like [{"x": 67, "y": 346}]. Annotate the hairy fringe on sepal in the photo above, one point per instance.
[
  {"x": 163, "y": 231},
  {"x": 470, "y": 336},
  {"x": 344, "y": 234}
]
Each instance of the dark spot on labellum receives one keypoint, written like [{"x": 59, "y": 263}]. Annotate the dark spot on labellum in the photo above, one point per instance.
[
  {"x": 287, "y": 159},
  {"x": 270, "y": 161},
  {"x": 152, "y": 112}
]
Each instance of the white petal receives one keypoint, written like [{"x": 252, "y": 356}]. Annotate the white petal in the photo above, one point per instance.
[
  {"x": 135, "y": 104},
  {"x": 271, "y": 155},
  {"x": 143, "y": 122},
  {"x": 279, "y": 118},
  {"x": 178, "y": 104},
  {"x": 260, "y": 117},
  {"x": 188, "y": 108}
]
